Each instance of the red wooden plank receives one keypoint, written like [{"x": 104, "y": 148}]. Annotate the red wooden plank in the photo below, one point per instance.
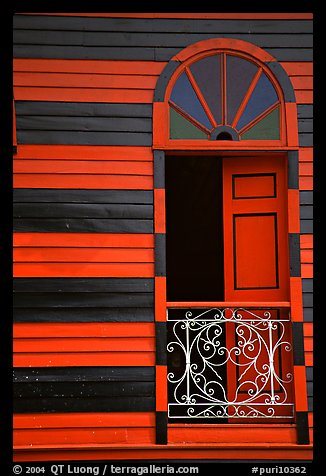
[
  {"x": 85, "y": 152},
  {"x": 84, "y": 420},
  {"x": 298, "y": 68},
  {"x": 110, "y": 167},
  {"x": 83, "y": 270},
  {"x": 83, "y": 255},
  {"x": 160, "y": 298},
  {"x": 254, "y": 433},
  {"x": 82, "y": 80},
  {"x": 306, "y": 241},
  {"x": 293, "y": 211},
  {"x": 296, "y": 299},
  {"x": 308, "y": 329},
  {"x": 79, "y": 329},
  {"x": 49, "y": 65},
  {"x": 307, "y": 270},
  {"x": 80, "y": 436},
  {"x": 142, "y": 96},
  {"x": 87, "y": 181},
  {"x": 305, "y": 154},
  {"x": 105, "y": 240},
  {"x": 302, "y": 82},
  {"x": 304, "y": 96},
  {"x": 306, "y": 183},
  {"x": 305, "y": 169},
  {"x": 306, "y": 256},
  {"x": 84, "y": 344},
  {"x": 161, "y": 388},
  {"x": 67, "y": 359},
  {"x": 159, "y": 210}
]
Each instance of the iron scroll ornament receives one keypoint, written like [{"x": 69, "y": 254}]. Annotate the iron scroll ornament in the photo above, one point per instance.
[{"x": 259, "y": 389}]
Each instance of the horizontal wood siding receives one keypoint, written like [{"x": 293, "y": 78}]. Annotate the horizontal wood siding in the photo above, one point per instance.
[
  {"x": 83, "y": 221},
  {"x": 65, "y": 300},
  {"x": 83, "y": 389},
  {"x": 95, "y": 428},
  {"x": 83, "y": 344}
]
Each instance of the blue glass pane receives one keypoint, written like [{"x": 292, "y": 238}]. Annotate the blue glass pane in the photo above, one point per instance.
[
  {"x": 262, "y": 97},
  {"x": 185, "y": 97},
  {"x": 239, "y": 75},
  {"x": 207, "y": 73}
]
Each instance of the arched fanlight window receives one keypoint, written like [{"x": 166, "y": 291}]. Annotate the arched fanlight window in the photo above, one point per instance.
[{"x": 224, "y": 97}]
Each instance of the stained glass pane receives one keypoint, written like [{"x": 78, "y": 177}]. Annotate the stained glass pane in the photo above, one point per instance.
[
  {"x": 263, "y": 96},
  {"x": 239, "y": 75},
  {"x": 185, "y": 97},
  {"x": 207, "y": 73},
  {"x": 266, "y": 129},
  {"x": 180, "y": 128}
]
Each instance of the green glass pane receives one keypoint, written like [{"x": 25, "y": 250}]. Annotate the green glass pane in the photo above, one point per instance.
[
  {"x": 180, "y": 128},
  {"x": 266, "y": 129}
]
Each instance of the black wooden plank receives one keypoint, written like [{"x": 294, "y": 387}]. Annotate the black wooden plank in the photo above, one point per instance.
[
  {"x": 84, "y": 138},
  {"x": 306, "y": 212},
  {"x": 134, "y": 53},
  {"x": 160, "y": 254},
  {"x": 86, "y": 124},
  {"x": 306, "y": 140},
  {"x": 83, "y": 390},
  {"x": 87, "y": 52},
  {"x": 308, "y": 299},
  {"x": 84, "y": 285},
  {"x": 293, "y": 169},
  {"x": 310, "y": 373},
  {"x": 308, "y": 315},
  {"x": 305, "y": 111},
  {"x": 161, "y": 39},
  {"x": 80, "y": 109},
  {"x": 83, "y": 315},
  {"x": 84, "y": 374},
  {"x": 71, "y": 404},
  {"x": 87, "y": 225},
  {"x": 302, "y": 428},
  {"x": 46, "y": 195},
  {"x": 159, "y": 169},
  {"x": 129, "y": 25},
  {"x": 305, "y": 125},
  {"x": 298, "y": 343},
  {"x": 294, "y": 250},
  {"x": 161, "y": 343},
  {"x": 306, "y": 226},
  {"x": 69, "y": 210},
  {"x": 307, "y": 285},
  {"x": 306, "y": 197},
  {"x": 161, "y": 435},
  {"x": 94, "y": 300}
]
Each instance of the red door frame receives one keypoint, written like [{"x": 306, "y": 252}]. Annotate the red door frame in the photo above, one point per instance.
[{"x": 287, "y": 145}]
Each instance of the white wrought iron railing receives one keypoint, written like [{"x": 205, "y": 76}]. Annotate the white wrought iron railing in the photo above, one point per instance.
[{"x": 230, "y": 363}]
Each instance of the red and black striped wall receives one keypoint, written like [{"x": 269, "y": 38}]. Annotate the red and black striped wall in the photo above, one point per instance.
[{"x": 85, "y": 354}]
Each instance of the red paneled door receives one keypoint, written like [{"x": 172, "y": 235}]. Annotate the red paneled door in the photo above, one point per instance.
[
  {"x": 256, "y": 269},
  {"x": 255, "y": 229}
]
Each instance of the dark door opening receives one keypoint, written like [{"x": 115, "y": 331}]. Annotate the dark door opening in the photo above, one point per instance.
[{"x": 194, "y": 228}]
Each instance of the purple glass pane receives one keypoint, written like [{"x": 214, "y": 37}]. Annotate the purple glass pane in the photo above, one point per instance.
[
  {"x": 185, "y": 97},
  {"x": 207, "y": 73},
  {"x": 262, "y": 97},
  {"x": 239, "y": 75}
]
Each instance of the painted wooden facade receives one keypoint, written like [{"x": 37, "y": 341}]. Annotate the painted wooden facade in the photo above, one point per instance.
[{"x": 91, "y": 100}]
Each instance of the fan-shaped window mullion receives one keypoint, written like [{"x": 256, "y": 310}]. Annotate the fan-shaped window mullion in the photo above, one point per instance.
[
  {"x": 225, "y": 90},
  {"x": 201, "y": 97},
  {"x": 246, "y": 98}
]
